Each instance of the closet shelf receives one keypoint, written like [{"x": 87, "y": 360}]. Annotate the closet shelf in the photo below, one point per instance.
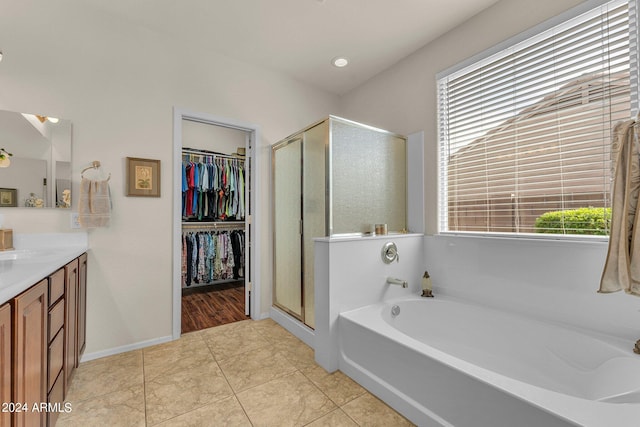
[
  {"x": 215, "y": 154},
  {"x": 212, "y": 224}
]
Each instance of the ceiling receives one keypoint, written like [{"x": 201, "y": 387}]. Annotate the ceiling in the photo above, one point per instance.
[{"x": 300, "y": 37}]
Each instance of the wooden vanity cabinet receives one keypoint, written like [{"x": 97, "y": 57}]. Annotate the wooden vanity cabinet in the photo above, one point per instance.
[
  {"x": 30, "y": 324},
  {"x": 6, "y": 349},
  {"x": 56, "y": 339},
  {"x": 75, "y": 314},
  {"x": 82, "y": 304},
  {"x": 42, "y": 334},
  {"x": 71, "y": 320}
]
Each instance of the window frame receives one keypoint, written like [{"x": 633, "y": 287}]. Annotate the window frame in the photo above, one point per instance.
[{"x": 485, "y": 57}]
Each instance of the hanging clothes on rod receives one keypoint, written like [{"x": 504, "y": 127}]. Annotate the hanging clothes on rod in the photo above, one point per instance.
[
  {"x": 210, "y": 256},
  {"x": 212, "y": 187}
]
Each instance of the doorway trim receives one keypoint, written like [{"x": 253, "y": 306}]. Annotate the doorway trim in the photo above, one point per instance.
[{"x": 180, "y": 114}]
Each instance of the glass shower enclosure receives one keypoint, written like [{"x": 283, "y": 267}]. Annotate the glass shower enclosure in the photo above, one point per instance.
[{"x": 334, "y": 178}]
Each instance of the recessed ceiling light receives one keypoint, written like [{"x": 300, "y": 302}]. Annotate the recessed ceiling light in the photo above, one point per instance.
[{"x": 340, "y": 62}]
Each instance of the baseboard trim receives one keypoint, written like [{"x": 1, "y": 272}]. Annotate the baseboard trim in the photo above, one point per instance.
[
  {"x": 301, "y": 331},
  {"x": 123, "y": 349}
]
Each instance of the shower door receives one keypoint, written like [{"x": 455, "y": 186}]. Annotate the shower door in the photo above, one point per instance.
[
  {"x": 299, "y": 210},
  {"x": 287, "y": 242},
  {"x": 336, "y": 177},
  {"x": 314, "y": 204}
]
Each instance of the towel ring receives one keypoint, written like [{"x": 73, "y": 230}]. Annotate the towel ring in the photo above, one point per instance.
[{"x": 94, "y": 165}]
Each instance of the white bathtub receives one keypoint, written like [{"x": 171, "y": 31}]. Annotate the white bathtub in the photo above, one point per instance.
[{"x": 447, "y": 362}]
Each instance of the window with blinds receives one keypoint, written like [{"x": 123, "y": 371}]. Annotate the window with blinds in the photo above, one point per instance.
[{"x": 525, "y": 133}]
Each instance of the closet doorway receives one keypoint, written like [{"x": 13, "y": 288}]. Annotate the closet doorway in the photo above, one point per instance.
[{"x": 214, "y": 169}]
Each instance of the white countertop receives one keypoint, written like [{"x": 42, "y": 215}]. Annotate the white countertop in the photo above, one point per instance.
[{"x": 35, "y": 257}]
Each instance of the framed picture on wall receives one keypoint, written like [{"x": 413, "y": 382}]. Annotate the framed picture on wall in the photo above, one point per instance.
[
  {"x": 143, "y": 177},
  {"x": 8, "y": 197}
]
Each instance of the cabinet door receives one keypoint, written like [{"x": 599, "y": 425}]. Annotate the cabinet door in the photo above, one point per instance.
[
  {"x": 82, "y": 305},
  {"x": 71, "y": 319},
  {"x": 30, "y": 374},
  {"x": 5, "y": 361}
]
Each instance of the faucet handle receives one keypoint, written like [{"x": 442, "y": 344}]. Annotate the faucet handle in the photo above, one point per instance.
[{"x": 390, "y": 253}]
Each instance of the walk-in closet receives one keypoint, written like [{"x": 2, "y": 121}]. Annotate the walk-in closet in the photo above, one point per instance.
[{"x": 215, "y": 239}]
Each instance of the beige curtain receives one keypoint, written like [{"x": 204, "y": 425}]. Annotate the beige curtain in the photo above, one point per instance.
[{"x": 622, "y": 267}]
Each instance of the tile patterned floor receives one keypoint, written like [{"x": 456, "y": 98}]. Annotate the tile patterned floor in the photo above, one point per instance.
[{"x": 242, "y": 374}]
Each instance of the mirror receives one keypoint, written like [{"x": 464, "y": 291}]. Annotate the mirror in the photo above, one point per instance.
[{"x": 36, "y": 168}]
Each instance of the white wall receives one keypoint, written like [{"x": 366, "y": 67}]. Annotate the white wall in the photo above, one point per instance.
[
  {"x": 403, "y": 99},
  {"x": 118, "y": 84},
  {"x": 203, "y": 136}
]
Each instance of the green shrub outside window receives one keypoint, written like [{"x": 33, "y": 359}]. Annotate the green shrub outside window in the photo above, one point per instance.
[{"x": 594, "y": 221}]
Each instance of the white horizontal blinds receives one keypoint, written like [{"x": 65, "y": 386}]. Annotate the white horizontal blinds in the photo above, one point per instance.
[
  {"x": 633, "y": 54},
  {"x": 527, "y": 131}
]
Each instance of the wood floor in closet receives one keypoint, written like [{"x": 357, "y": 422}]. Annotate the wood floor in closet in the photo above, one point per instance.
[{"x": 209, "y": 306}]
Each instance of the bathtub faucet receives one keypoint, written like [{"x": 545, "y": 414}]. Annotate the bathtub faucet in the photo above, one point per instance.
[{"x": 394, "y": 281}]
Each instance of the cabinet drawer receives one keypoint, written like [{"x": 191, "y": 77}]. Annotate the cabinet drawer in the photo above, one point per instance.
[
  {"x": 56, "y": 318},
  {"x": 56, "y": 356},
  {"x": 56, "y": 286},
  {"x": 56, "y": 395}
]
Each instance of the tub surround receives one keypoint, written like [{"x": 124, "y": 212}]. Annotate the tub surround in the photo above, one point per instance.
[
  {"x": 37, "y": 256},
  {"x": 350, "y": 273},
  {"x": 549, "y": 279}
]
